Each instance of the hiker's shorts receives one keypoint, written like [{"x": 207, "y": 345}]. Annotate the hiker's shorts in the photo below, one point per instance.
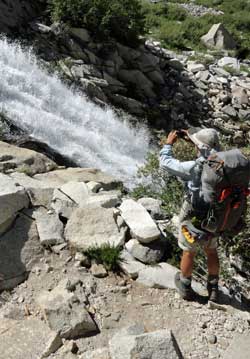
[{"x": 186, "y": 214}]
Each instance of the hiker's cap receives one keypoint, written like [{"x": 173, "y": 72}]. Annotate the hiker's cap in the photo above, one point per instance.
[{"x": 207, "y": 137}]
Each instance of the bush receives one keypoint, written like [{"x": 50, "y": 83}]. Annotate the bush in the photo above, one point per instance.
[
  {"x": 106, "y": 254},
  {"x": 121, "y": 19}
]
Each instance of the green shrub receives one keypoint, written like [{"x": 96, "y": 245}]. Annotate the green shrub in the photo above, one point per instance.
[
  {"x": 121, "y": 19},
  {"x": 106, "y": 254}
]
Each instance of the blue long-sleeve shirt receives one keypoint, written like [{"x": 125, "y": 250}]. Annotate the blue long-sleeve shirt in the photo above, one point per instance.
[{"x": 188, "y": 171}]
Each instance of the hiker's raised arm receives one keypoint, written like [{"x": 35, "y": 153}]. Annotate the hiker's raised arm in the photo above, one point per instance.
[{"x": 173, "y": 166}]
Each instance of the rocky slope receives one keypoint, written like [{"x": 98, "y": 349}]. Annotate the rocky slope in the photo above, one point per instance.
[{"x": 57, "y": 303}]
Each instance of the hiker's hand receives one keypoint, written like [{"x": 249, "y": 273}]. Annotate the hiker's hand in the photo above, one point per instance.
[{"x": 172, "y": 138}]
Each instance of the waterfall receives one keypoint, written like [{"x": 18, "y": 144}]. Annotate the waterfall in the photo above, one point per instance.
[{"x": 67, "y": 121}]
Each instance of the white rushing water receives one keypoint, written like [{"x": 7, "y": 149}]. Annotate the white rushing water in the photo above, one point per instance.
[{"x": 51, "y": 112}]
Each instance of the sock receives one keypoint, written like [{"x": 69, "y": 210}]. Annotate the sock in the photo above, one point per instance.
[{"x": 185, "y": 280}]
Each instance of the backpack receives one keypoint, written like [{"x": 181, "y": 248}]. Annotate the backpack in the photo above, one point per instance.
[{"x": 224, "y": 184}]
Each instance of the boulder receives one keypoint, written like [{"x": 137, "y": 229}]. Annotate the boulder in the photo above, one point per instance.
[
  {"x": 159, "y": 344},
  {"x": 59, "y": 177},
  {"x": 20, "y": 250},
  {"x": 77, "y": 192},
  {"x": 63, "y": 205},
  {"x": 239, "y": 96},
  {"x": 64, "y": 313},
  {"x": 239, "y": 347},
  {"x": 150, "y": 253},
  {"x": 152, "y": 205},
  {"x": 230, "y": 62},
  {"x": 80, "y": 34},
  {"x": 130, "y": 265},
  {"x": 88, "y": 227},
  {"x": 139, "y": 221},
  {"x": 129, "y": 104},
  {"x": 49, "y": 227},
  {"x": 218, "y": 37},
  {"x": 13, "y": 198},
  {"x": 40, "y": 192},
  {"x": 30, "y": 339},
  {"x": 137, "y": 78},
  {"x": 108, "y": 199},
  {"x": 23, "y": 160},
  {"x": 194, "y": 67}
]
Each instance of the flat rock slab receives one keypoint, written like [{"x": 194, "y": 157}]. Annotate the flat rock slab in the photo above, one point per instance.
[
  {"x": 23, "y": 159},
  {"x": 139, "y": 221},
  {"x": 20, "y": 249},
  {"x": 162, "y": 276},
  {"x": 156, "y": 345},
  {"x": 239, "y": 347},
  {"x": 29, "y": 339},
  {"x": 12, "y": 198},
  {"x": 88, "y": 227},
  {"x": 49, "y": 227},
  {"x": 59, "y": 177}
]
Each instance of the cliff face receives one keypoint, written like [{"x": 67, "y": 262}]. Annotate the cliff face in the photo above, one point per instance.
[{"x": 14, "y": 14}]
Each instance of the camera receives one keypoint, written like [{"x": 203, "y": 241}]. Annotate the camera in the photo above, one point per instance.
[{"x": 181, "y": 133}]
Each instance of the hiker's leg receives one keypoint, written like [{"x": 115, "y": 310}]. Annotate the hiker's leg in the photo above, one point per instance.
[
  {"x": 187, "y": 263},
  {"x": 213, "y": 274},
  {"x": 213, "y": 264}
]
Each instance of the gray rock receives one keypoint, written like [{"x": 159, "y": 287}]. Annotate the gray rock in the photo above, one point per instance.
[
  {"x": 103, "y": 199},
  {"x": 101, "y": 353},
  {"x": 13, "y": 198},
  {"x": 156, "y": 77},
  {"x": 30, "y": 339},
  {"x": 239, "y": 96},
  {"x": 152, "y": 205},
  {"x": 49, "y": 227},
  {"x": 139, "y": 221},
  {"x": 229, "y": 61},
  {"x": 218, "y": 37},
  {"x": 59, "y": 177},
  {"x": 239, "y": 347},
  {"x": 159, "y": 344},
  {"x": 94, "y": 186},
  {"x": 40, "y": 192},
  {"x": 129, "y": 265},
  {"x": 24, "y": 160},
  {"x": 194, "y": 67},
  {"x": 62, "y": 204},
  {"x": 229, "y": 110},
  {"x": 93, "y": 90},
  {"x": 150, "y": 253},
  {"x": 221, "y": 72},
  {"x": 80, "y": 33},
  {"x": 79, "y": 71},
  {"x": 93, "y": 227},
  {"x": 162, "y": 276},
  {"x": 137, "y": 78},
  {"x": 129, "y": 104},
  {"x": 77, "y": 192},
  {"x": 147, "y": 62},
  {"x": 98, "y": 270},
  {"x": 64, "y": 313},
  {"x": 20, "y": 250}
]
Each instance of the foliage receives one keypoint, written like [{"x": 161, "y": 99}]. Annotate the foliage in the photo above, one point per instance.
[
  {"x": 106, "y": 254},
  {"x": 121, "y": 19},
  {"x": 156, "y": 183},
  {"x": 179, "y": 30}
]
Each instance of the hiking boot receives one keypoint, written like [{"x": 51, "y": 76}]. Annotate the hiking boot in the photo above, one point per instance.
[
  {"x": 183, "y": 285},
  {"x": 212, "y": 288}
]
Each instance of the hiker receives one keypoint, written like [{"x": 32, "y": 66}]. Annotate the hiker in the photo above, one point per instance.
[{"x": 197, "y": 226}]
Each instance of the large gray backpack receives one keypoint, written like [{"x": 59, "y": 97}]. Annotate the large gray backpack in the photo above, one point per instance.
[{"x": 224, "y": 189}]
